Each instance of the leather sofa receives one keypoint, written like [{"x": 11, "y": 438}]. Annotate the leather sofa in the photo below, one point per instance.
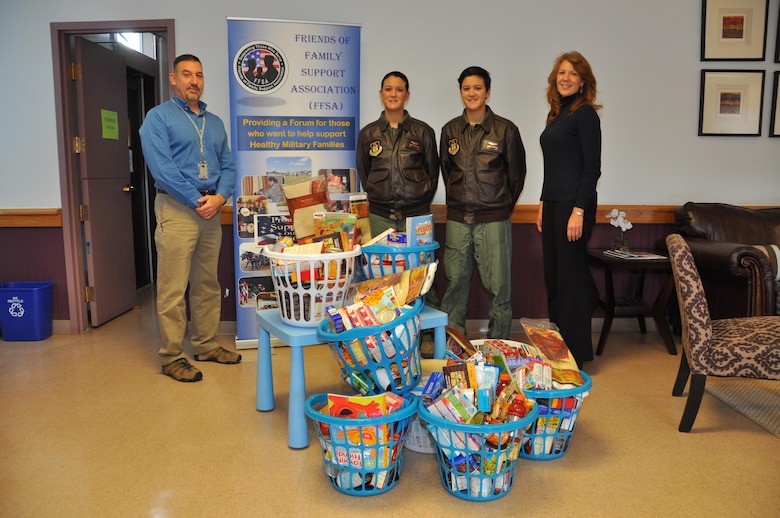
[{"x": 736, "y": 251}]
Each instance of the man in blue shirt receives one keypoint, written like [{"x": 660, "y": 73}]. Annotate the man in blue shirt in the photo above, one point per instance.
[{"x": 186, "y": 149}]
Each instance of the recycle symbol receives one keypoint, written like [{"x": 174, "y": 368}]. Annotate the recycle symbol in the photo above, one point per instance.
[{"x": 16, "y": 309}]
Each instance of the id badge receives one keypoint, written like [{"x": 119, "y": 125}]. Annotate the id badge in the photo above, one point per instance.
[{"x": 203, "y": 170}]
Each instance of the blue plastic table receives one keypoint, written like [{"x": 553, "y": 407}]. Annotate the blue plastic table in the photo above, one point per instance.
[{"x": 270, "y": 323}]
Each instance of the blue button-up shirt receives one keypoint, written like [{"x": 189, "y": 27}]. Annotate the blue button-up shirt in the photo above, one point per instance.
[{"x": 171, "y": 147}]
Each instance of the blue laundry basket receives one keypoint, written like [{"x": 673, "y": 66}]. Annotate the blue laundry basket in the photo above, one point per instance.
[
  {"x": 477, "y": 461},
  {"x": 376, "y": 359},
  {"x": 361, "y": 456},
  {"x": 380, "y": 260},
  {"x": 551, "y": 434}
]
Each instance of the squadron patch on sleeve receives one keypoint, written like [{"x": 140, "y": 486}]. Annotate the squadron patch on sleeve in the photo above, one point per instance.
[
  {"x": 374, "y": 148},
  {"x": 453, "y": 147}
]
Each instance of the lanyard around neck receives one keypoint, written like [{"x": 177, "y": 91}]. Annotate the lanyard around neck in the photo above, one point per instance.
[{"x": 200, "y": 131}]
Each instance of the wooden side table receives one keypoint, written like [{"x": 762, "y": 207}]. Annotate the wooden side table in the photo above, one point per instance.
[{"x": 633, "y": 306}]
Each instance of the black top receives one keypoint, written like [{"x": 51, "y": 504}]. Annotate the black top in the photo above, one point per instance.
[{"x": 571, "y": 145}]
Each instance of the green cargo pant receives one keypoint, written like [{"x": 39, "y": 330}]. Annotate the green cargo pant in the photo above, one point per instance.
[{"x": 489, "y": 245}]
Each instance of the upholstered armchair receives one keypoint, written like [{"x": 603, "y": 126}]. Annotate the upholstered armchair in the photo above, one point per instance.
[
  {"x": 737, "y": 251},
  {"x": 747, "y": 347}
]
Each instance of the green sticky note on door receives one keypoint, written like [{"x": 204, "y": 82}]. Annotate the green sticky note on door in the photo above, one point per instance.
[{"x": 110, "y": 122}]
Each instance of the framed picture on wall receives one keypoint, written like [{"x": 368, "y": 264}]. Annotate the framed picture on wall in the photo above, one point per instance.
[
  {"x": 777, "y": 43},
  {"x": 731, "y": 102},
  {"x": 734, "y": 30},
  {"x": 774, "y": 124}
]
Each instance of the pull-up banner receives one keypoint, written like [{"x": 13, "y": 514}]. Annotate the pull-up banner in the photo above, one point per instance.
[{"x": 294, "y": 116}]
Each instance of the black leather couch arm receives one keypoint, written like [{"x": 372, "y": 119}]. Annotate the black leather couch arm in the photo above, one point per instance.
[{"x": 739, "y": 260}]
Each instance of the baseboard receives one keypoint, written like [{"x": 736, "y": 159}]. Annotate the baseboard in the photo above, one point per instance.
[
  {"x": 60, "y": 327},
  {"x": 251, "y": 343},
  {"x": 228, "y": 327}
]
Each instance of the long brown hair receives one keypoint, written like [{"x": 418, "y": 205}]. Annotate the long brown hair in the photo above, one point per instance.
[{"x": 588, "y": 95}]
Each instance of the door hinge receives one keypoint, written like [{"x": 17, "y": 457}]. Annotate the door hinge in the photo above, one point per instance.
[
  {"x": 83, "y": 213},
  {"x": 79, "y": 145},
  {"x": 75, "y": 71},
  {"x": 89, "y": 294}
]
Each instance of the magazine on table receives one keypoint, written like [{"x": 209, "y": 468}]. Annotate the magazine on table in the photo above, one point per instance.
[{"x": 636, "y": 254}]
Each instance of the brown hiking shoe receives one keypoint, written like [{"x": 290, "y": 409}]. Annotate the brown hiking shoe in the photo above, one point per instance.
[
  {"x": 182, "y": 370},
  {"x": 219, "y": 355}
]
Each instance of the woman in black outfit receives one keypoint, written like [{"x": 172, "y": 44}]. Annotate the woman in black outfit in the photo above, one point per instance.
[{"x": 571, "y": 144}]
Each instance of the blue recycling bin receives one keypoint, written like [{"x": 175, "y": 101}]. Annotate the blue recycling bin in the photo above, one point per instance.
[{"x": 26, "y": 310}]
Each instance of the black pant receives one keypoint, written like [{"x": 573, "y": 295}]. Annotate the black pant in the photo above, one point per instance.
[{"x": 567, "y": 276}]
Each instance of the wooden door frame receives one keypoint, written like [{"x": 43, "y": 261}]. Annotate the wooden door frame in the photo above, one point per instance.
[{"x": 69, "y": 181}]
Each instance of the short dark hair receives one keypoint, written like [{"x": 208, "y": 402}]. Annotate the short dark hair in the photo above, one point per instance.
[
  {"x": 395, "y": 73},
  {"x": 272, "y": 179},
  {"x": 475, "y": 71},
  {"x": 185, "y": 57}
]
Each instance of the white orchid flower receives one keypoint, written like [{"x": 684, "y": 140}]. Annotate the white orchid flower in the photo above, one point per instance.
[{"x": 617, "y": 218}]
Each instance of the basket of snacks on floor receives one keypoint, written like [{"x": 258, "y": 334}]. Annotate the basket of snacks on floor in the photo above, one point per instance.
[
  {"x": 308, "y": 278},
  {"x": 550, "y": 436},
  {"x": 362, "y": 439},
  {"x": 420, "y": 439},
  {"x": 375, "y": 336},
  {"x": 477, "y": 421},
  {"x": 557, "y": 386}
]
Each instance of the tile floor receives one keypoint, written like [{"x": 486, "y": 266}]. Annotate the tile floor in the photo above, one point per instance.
[{"x": 90, "y": 427}]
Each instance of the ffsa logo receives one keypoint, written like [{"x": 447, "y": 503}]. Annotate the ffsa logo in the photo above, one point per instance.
[{"x": 260, "y": 67}]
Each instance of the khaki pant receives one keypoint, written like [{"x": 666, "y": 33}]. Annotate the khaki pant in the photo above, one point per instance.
[
  {"x": 489, "y": 245},
  {"x": 188, "y": 249}
]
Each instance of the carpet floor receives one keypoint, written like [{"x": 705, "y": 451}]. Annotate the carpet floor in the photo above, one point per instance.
[{"x": 758, "y": 400}]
